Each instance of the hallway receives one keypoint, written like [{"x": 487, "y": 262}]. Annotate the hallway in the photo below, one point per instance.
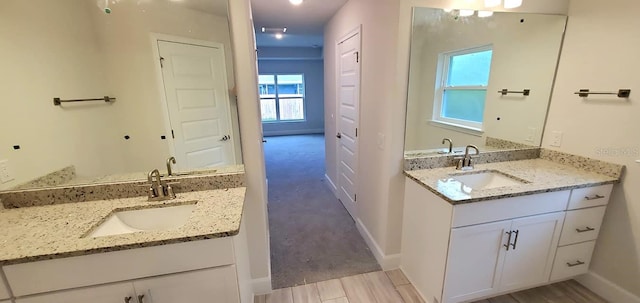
[{"x": 313, "y": 238}]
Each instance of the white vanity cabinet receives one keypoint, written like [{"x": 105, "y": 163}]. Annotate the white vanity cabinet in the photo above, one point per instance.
[
  {"x": 465, "y": 252},
  {"x": 198, "y": 272}
]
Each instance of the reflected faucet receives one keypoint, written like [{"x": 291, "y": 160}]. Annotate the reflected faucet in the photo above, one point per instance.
[
  {"x": 169, "y": 161},
  {"x": 156, "y": 190},
  {"x": 450, "y": 144}
]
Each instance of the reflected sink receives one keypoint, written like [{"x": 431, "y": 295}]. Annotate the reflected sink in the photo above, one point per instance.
[
  {"x": 488, "y": 179},
  {"x": 163, "y": 217}
]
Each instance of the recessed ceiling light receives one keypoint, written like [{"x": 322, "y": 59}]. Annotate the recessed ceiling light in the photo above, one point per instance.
[
  {"x": 296, "y": 2},
  {"x": 278, "y": 36}
]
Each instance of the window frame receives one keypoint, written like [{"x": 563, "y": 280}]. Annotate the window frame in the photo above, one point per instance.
[
  {"x": 276, "y": 97},
  {"x": 444, "y": 62}
]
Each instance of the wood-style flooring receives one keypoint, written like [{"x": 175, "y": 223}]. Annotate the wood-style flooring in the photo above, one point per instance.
[{"x": 393, "y": 287}]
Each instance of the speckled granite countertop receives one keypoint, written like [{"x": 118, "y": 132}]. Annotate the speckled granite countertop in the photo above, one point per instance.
[
  {"x": 57, "y": 231},
  {"x": 541, "y": 176}
]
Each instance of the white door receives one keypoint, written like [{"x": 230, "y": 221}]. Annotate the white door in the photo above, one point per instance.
[
  {"x": 530, "y": 259},
  {"x": 474, "y": 264},
  {"x": 202, "y": 286},
  {"x": 348, "y": 114},
  {"x": 111, "y": 293},
  {"x": 195, "y": 85}
]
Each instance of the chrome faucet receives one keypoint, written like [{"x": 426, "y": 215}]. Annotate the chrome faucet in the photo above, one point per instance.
[
  {"x": 466, "y": 163},
  {"x": 169, "y": 161},
  {"x": 159, "y": 191},
  {"x": 450, "y": 144}
]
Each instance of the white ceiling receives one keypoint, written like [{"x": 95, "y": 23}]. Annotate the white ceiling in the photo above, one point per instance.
[
  {"x": 216, "y": 7},
  {"x": 304, "y": 23}
]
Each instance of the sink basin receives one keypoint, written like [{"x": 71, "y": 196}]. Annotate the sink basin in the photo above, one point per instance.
[
  {"x": 488, "y": 179},
  {"x": 149, "y": 219}
]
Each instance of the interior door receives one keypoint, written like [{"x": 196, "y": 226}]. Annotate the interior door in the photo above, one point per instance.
[
  {"x": 530, "y": 259},
  {"x": 195, "y": 86},
  {"x": 348, "y": 116},
  {"x": 474, "y": 264}
]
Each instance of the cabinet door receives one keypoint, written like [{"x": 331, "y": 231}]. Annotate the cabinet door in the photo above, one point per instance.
[
  {"x": 202, "y": 286},
  {"x": 474, "y": 263},
  {"x": 112, "y": 293},
  {"x": 530, "y": 257}
]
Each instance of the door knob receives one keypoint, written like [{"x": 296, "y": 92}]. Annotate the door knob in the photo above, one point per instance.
[
  {"x": 339, "y": 135},
  {"x": 225, "y": 138}
]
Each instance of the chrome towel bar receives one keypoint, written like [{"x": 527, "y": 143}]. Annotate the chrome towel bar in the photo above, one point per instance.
[
  {"x": 621, "y": 93},
  {"x": 58, "y": 101},
  {"x": 505, "y": 91}
]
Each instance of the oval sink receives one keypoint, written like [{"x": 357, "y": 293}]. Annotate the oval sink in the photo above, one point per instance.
[
  {"x": 488, "y": 179},
  {"x": 148, "y": 219}
]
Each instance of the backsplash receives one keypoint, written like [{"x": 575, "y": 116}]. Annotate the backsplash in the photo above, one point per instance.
[
  {"x": 105, "y": 191},
  {"x": 584, "y": 163}
]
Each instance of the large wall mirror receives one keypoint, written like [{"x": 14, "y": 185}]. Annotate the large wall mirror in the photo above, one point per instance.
[
  {"x": 478, "y": 76},
  {"x": 168, "y": 64}
]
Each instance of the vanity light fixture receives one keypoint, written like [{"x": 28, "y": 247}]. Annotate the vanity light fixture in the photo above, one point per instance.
[
  {"x": 485, "y": 14},
  {"x": 277, "y": 32},
  {"x": 296, "y": 2},
  {"x": 512, "y": 3},
  {"x": 492, "y": 3}
]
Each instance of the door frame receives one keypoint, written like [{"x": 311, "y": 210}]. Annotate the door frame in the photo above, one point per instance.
[
  {"x": 155, "y": 38},
  {"x": 355, "y": 31}
]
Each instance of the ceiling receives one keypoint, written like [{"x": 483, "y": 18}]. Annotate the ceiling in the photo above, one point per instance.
[
  {"x": 216, "y": 7},
  {"x": 304, "y": 23}
]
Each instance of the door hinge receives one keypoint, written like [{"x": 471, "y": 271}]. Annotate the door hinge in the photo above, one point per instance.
[
  {"x": 356, "y": 132},
  {"x": 172, "y": 134},
  {"x": 161, "y": 62},
  {"x": 355, "y": 197},
  {"x": 357, "y": 57}
]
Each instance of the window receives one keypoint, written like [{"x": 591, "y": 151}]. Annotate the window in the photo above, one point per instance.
[
  {"x": 462, "y": 87},
  {"x": 281, "y": 97}
]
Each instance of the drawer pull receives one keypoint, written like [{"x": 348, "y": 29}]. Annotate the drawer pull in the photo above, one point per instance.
[
  {"x": 141, "y": 297},
  {"x": 516, "y": 240},
  {"x": 127, "y": 299},
  {"x": 596, "y": 197},
  {"x": 575, "y": 264},
  {"x": 587, "y": 229},
  {"x": 508, "y": 240}
]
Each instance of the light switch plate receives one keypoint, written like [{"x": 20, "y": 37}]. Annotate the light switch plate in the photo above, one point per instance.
[
  {"x": 5, "y": 173},
  {"x": 556, "y": 138}
]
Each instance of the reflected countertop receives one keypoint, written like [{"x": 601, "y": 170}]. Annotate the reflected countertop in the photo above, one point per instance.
[
  {"x": 540, "y": 175},
  {"x": 56, "y": 231}
]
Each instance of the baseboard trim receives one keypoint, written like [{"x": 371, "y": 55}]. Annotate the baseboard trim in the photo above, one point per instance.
[
  {"x": 607, "y": 289},
  {"x": 293, "y": 132},
  {"x": 332, "y": 185},
  {"x": 387, "y": 262},
  {"x": 261, "y": 286}
]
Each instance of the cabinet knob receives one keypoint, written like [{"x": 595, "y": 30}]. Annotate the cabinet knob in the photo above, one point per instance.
[
  {"x": 140, "y": 298},
  {"x": 127, "y": 299}
]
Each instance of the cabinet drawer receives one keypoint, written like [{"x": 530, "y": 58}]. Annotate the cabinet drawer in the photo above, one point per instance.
[
  {"x": 582, "y": 225},
  {"x": 4, "y": 292},
  {"x": 572, "y": 260},
  {"x": 57, "y": 274},
  {"x": 509, "y": 208},
  {"x": 590, "y": 196}
]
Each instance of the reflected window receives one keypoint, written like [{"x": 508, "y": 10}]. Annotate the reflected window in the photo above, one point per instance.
[
  {"x": 461, "y": 88},
  {"x": 281, "y": 97}
]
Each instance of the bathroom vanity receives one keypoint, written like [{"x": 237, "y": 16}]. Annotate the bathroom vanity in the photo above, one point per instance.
[
  {"x": 499, "y": 228},
  {"x": 168, "y": 253}
]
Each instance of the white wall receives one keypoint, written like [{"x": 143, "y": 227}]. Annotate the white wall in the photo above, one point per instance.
[
  {"x": 524, "y": 57},
  {"x": 38, "y": 64},
  {"x": 313, "y": 71},
  {"x": 600, "y": 52}
]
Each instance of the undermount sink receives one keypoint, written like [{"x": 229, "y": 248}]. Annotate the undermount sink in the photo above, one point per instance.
[
  {"x": 125, "y": 221},
  {"x": 488, "y": 179}
]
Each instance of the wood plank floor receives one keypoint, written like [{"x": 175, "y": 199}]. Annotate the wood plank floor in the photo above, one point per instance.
[{"x": 393, "y": 287}]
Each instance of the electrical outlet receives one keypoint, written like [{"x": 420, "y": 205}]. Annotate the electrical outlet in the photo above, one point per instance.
[
  {"x": 5, "y": 173},
  {"x": 556, "y": 138}
]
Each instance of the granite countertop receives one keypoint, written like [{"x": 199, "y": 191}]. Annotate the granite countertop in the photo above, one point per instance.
[
  {"x": 57, "y": 231},
  {"x": 540, "y": 176}
]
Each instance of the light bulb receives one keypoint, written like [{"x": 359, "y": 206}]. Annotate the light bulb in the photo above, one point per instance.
[
  {"x": 466, "y": 12},
  {"x": 278, "y": 36},
  {"x": 485, "y": 14},
  {"x": 296, "y": 2},
  {"x": 492, "y": 3},
  {"x": 512, "y": 3}
]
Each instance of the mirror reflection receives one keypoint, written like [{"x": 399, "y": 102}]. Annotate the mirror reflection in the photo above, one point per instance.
[
  {"x": 488, "y": 75},
  {"x": 168, "y": 64}
]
